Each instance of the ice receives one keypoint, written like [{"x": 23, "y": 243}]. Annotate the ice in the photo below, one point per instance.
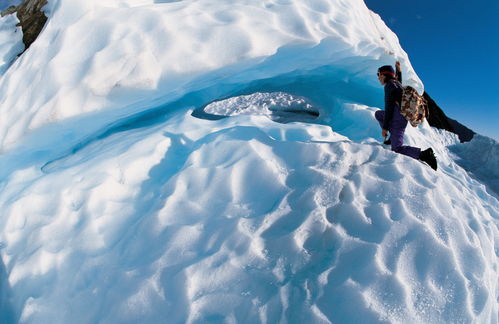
[{"x": 121, "y": 203}]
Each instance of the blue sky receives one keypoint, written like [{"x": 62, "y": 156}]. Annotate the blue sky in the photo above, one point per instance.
[
  {"x": 454, "y": 48},
  {"x": 6, "y": 3}
]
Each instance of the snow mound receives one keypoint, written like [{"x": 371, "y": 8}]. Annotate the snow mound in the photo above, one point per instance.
[
  {"x": 244, "y": 219},
  {"x": 278, "y": 106},
  {"x": 480, "y": 157},
  {"x": 119, "y": 206}
]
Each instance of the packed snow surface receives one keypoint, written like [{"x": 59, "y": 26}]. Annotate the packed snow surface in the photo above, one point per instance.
[
  {"x": 279, "y": 106},
  {"x": 122, "y": 203}
]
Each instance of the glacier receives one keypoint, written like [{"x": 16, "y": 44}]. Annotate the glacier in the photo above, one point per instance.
[{"x": 219, "y": 161}]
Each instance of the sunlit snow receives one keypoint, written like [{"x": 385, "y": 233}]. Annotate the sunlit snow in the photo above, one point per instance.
[
  {"x": 279, "y": 106},
  {"x": 123, "y": 201}
]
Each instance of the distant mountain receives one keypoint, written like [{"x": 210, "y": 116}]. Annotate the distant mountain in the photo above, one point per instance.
[{"x": 437, "y": 118}]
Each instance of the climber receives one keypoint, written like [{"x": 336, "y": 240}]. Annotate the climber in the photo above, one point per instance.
[{"x": 392, "y": 121}]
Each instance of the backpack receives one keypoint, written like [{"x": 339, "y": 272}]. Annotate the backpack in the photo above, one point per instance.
[{"x": 413, "y": 107}]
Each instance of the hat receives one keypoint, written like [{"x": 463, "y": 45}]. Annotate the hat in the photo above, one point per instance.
[{"x": 387, "y": 70}]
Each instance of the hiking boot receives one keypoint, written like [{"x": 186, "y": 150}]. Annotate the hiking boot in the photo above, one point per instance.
[
  {"x": 388, "y": 141},
  {"x": 429, "y": 158}
]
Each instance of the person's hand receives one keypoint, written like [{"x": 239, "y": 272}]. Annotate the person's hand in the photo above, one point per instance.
[
  {"x": 397, "y": 66},
  {"x": 384, "y": 133}
]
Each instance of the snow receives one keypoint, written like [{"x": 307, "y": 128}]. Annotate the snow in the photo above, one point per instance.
[
  {"x": 11, "y": 41},
  {"x": 480, "y": 157},
  {"x": 123, "y": 201},
  {"x": 279, "y": 106}
]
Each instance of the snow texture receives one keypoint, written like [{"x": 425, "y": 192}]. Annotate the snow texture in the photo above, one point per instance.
[
  {"x": 121, "y": 203},
  {"x": 279, "y": 106}
]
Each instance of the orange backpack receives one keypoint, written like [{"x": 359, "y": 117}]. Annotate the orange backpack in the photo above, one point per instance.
[{"x": 413, "y": 107}]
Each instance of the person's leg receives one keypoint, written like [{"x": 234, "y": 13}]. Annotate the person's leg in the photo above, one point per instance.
[
  {"x": 397, "y": 138},
  {"x": 429, "y": 157},
  {"x": 380, "y": 117}
]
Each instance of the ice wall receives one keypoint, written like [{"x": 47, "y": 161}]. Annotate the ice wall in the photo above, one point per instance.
[{"x": 87, "y": 61}]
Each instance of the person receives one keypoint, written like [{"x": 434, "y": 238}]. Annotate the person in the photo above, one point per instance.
[
  {"x": 398, "y": 76},
  {"x": 391, "y": 121}
]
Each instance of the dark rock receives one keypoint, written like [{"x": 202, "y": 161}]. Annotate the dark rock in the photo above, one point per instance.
[
  {"x": 32, "y": 19},
  {"x": 438, "y": 119},
  {"x": 436, "y": 116}
]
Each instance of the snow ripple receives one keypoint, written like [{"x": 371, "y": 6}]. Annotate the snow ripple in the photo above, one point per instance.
[{"x": 244, "y": 219}]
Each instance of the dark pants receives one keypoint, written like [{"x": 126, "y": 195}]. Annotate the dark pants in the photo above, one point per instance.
[{"x": 397, "y": 130}]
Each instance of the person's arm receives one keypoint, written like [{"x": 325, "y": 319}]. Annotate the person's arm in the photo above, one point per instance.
[{"x": 398, "y": 71}]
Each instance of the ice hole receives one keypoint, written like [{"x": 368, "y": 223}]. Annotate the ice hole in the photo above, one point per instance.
[{"x": 281, "y": 107}]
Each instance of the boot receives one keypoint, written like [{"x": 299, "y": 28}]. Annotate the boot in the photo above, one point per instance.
[
  {"x": 429, "y": 158},
  {"x": 388, "y": 141}
]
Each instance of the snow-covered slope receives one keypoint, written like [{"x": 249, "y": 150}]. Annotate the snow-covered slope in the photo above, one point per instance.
[
  {"x": 480, "y": 157},
  {"x": 120, "y": 203},
  {"x": 10, "y": 41}
]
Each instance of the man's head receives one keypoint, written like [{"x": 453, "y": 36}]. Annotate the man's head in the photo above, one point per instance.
[{"x": 385, "y": 73}]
